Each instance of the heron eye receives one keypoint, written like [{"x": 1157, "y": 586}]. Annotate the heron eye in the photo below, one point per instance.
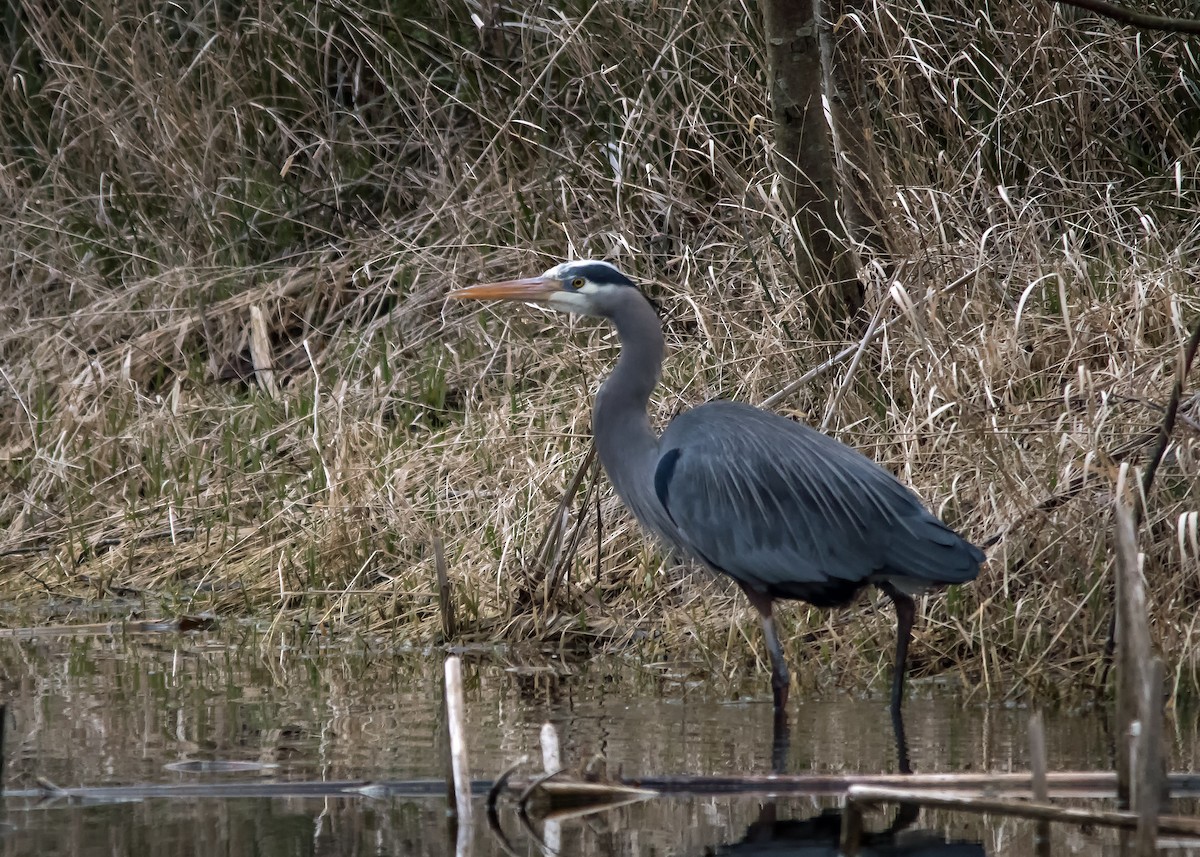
[{"x": 578, "y": 282}]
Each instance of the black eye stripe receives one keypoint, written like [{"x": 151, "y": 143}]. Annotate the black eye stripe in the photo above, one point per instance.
[{"x": 600, "y": 274}]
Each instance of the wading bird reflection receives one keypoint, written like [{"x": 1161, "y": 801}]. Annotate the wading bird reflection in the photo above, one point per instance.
[
  {"x": 820, "y": 836},
  {"x": 786, "y": 511}
]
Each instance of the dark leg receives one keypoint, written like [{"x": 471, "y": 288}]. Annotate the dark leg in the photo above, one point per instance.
[
  {"x": 780, "y": 680},
  {"x": 781, "y": 734},
  {"x": 906, "y": 611},
  {"x": 781, "y": 742},
  {"x": 902, "y": 762}
]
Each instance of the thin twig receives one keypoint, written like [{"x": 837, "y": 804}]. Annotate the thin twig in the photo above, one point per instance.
[
  {"x": 553, "y": 534},
  {"x": 563, "y": 564},
  {"x": 445, "y": 596},
  {"x": 1168, "y": 423},
  {"x": 867, "y": 337}
]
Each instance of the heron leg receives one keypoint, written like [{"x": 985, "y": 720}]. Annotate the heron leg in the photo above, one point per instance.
[
  {"x": 906, "y": 611},
  {"x": 781, "y": 742},
  {"x": 902, "y": 761},
  {"x": 780, "y": 680}
]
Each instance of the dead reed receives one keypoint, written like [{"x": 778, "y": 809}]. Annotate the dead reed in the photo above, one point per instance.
[{"x": 228, "y": 379}]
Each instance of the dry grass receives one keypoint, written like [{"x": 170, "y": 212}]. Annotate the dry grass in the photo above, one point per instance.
[{"x": 335, "y": 169}]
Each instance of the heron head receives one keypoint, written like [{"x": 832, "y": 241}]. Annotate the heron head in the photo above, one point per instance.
[{"x": 587, "y": 287}]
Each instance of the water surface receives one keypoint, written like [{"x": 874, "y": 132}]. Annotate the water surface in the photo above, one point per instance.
[{"x": 101, "y": 710}]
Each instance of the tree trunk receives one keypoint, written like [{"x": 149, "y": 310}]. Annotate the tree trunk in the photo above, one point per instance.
[
  {"x": 805, "y": 159},
  {"x": 853, "y": 157}
]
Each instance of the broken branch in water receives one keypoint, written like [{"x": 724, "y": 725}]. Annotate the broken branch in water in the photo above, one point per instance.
[
  {"x": 862, "y": 794},
  {"x": 456, "y": 716}
]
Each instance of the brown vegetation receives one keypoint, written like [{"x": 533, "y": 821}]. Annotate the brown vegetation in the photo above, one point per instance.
[{"x": 331, "y": 171}]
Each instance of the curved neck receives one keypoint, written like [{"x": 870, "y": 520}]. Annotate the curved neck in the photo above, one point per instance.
[
  {"x": 627, "y": 445},
  {"x": 635, "y": 376}
]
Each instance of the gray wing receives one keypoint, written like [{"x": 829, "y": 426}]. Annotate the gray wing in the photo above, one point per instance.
[{"x": 785, "y": 509}]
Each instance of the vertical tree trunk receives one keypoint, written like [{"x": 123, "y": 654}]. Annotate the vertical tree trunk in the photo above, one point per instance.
[
  {"x": 861, "y": 207},
  {"x": 805, "y": 158}
]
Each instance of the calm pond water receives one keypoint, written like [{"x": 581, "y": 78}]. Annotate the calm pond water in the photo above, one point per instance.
[{"x": 99, "y": 710}]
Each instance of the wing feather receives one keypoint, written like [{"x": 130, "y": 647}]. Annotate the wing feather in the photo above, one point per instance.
[{"x": 776, "y": 504}]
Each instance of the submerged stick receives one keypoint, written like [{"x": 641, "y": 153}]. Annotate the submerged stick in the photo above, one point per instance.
[
  {"x": 177, "y": 624},
  {"x": 1084, "y": 784},
  {"x": 1061, "y": 784},
  {"x": 1133, "y": 640},
  {"x": 462, "y": 838},
  {"x": 493, "y": 795},
  {"x": 1148, "y": 786},
  {"x": 552, "y": 799},
  {"x": 237, "y": 790},
  {"x": 455, "y": 710},
  {"x": 1021, "y": 809},
  {"x": 1037, "y": 757},
  {"x": 852, "y": 826},
  {"x": 551, "y": 760},
  {"x": 1037, "y": 773},
  {"x": 493, "y": 798}
]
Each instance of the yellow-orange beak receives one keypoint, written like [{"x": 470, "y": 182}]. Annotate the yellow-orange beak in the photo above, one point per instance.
[{"x": 528, "y": 289}]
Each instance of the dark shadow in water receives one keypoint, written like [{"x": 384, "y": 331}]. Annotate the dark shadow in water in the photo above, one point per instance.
[
  {"x": 812, "y": 832},
  {"x": 819, "y": 837}
]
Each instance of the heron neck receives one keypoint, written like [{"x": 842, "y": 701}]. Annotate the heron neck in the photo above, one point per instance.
[
  {"x": 625, "y": 441},
  {"x": 627, "y": 390}
]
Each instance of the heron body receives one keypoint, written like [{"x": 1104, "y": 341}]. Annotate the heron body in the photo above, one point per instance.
[{"x": 784, "y": 510}]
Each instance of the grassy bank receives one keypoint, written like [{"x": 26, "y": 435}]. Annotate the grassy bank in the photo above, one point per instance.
[{"x": 187, "y": 198}]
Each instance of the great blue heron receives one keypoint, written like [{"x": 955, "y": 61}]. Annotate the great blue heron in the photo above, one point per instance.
[{"x": 786, "y": 511}]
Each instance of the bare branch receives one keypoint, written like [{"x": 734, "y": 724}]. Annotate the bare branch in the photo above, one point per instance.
[
  {"x": 1136, "y": 19},
  {"x": 1168, "y": 423}
]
